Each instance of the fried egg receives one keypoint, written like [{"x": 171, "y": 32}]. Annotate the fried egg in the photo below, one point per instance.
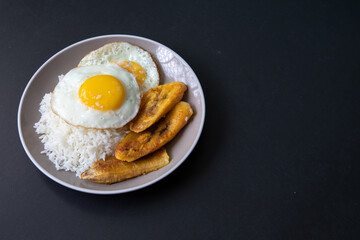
[
  {"x": 130, "y": 57},
  {"x": 100, "y": 96}
]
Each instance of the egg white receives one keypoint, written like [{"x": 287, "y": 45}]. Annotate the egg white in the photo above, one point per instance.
[
  {"x": 65, "y": 101},
  {"x": 123, "y": 51}
]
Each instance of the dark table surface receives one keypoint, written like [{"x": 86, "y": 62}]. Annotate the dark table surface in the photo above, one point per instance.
[{"x": 279, "y": 153}]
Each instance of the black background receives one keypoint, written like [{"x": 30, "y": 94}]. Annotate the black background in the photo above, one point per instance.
[{"x": 279, "y": 153}]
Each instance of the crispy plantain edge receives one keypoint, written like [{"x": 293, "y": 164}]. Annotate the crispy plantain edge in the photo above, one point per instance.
[
  {"x": 113, "y": 170},
  {"x": 136, "y": 145},
  {"x": 156, "y": 103}
]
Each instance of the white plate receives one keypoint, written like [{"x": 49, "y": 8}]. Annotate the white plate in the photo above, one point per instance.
[{"x": 171, "y": 68}]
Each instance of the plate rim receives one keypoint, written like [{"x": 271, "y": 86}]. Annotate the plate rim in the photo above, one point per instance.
[{"x": 103, "y": 192}]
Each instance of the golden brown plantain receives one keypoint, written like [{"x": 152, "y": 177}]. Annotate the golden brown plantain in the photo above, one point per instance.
[
  {"x": 136, "y": 145},
  {"x": 156, "y": 103},
  {"x": 113, "y": 170}
]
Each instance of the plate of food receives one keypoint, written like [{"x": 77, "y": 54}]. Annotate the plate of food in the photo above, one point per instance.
[{"x": 111, "y": 114}]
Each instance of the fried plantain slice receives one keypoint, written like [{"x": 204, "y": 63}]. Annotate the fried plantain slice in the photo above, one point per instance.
[
  {"x": 113, "y": 170},
  {"x": 136, "y": 145},
  {"x": 156, "y": 103}
]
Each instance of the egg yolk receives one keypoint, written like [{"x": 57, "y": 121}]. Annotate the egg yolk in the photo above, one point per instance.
[
  {"x": 135, "y": 69},
  {"x": 102, "y": 92}
]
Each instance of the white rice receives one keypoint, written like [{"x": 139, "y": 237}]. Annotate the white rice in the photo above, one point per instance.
[{"x": 73, "y": 148}]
